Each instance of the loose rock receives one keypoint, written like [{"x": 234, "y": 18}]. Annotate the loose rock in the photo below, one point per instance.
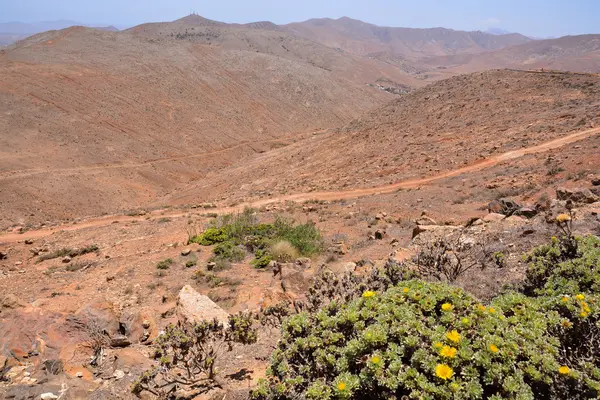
[{"x": 195, "y": 307}]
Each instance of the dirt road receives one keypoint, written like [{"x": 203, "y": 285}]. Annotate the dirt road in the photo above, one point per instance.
[{"x": 339, "y": 195}]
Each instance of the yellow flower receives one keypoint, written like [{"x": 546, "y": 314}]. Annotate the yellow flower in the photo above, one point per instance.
[
  {"x": 580, "y": 296},
  {"x": 481, "y": 307},
  {"x": 566, "y": 323},
  {"x": 493, "y": 348},
  {"x": 406, "y": 290},
  {"x": 492, "y": 310},
  {"x": 465, "y": 321},
  {"x": 583, "y": 314},
  {"x": 585, "y": 307},
  {"x": 563, "y": 218},
  {"x": 447, "y": 306},
  {"x": 453, "y": 336},
  {"x": 376, "y": 360},
  {"x": 443, "y": 371},
  {"x": 564, "y": 370},
  {"x": 448, "y": 352},
  {"x": 565, "y": 299},
  {"x": 438, "y": 345},
  {"x": 368, "y": 294}
]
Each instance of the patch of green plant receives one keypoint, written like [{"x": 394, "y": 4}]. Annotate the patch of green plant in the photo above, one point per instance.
[
  {"x": 165, "y": 264},
  {"x": 190, "y": 264},
  {"x": 564, "y": 266},
  {"x": 424, "y": 340},
  {"x": 262, "y": 259},
  {"x": 266, "y": 241},
  {"x": 210, "y": 237},
  {"x": 305, "y": 237},
  {"x": 229, "y": 251}
]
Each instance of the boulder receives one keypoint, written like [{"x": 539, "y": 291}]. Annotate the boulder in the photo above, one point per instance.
[
  {"x": 527, "y": 212},
  {"x": 303, "y": 262},
  {"x": 10, "y": 301},
  {"x": 579, "y": 195},
  {"x": 419, "y": 229},
  {"x": 425, "y": 220},
  {"x": 493, "y": 217},
  {"x": 596, "y": 182},
  {"x": 503, "y": 206},
  {"x": 194, "y": 307},
  {"x": 3, "y": 255},
  {"x": 119, "y": 341},
  {"x": 339, "y": 248},
  {"x": 186, "y": 252}
]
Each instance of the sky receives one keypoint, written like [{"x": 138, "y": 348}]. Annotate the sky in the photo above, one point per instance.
[{"x": 538, "y": 18}]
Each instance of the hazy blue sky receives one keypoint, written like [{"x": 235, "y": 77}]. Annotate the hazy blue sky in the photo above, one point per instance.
[{"x": 530, "y": 17}]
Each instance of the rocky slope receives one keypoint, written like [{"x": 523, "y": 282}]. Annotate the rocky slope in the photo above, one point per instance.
[
  {"x": 442, "y": 127},
  {"x": 96, "y": 121}
]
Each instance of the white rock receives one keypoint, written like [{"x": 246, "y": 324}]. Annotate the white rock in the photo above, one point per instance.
[
  {"x": 119, "y": 374},
  {"x": 195, "y": 307},
  {"x": 48, "y": 396}
]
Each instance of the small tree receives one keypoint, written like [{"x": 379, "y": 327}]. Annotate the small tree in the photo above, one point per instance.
[
  {"x": 447, "y": 258},
  {"x": 187, "y": 355}
]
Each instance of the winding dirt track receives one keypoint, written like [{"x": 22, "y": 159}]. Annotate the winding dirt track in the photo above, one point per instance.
[{"x": 340, "y": 195}]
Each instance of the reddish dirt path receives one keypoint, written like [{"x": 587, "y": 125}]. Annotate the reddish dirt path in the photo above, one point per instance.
[{"x": 340, "y": 195}]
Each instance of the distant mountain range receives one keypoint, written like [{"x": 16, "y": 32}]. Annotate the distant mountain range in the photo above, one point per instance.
[{"x": 11, "y": 32}]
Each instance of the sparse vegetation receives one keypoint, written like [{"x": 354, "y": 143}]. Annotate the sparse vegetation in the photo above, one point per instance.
[
  {"x": 165, "y": 264},
  {"x": 68, "y": 252},
  {"x": 187, "y": 356},
  {"x": 447, "y": 258}
]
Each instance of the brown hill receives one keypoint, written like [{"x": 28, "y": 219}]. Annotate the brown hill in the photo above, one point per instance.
[
  {"x": 363, "y": 38},
  {"x": 95, "y": 121},
  {"x": 442, "y": 127},
  {"x": 572, "y": 53}
]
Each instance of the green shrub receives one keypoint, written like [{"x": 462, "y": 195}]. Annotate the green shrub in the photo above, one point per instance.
[
  {"x": 229, "y": 231},
  {"x": 262, "y": 259},
  {"x": 422, "y": 341},
  {"x": 165, "y": 264},
  {"x": 563, "y": 268},
  {"x": 229, "y": 251},
  {"x": 190, "y": 264},
  {"x": 574, "y": 321},
  {"x": 306, "y": 237},
  {"x": 210, "y": 237}
]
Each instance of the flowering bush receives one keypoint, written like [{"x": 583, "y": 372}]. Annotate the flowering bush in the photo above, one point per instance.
[{"x": 422, "y": 340}]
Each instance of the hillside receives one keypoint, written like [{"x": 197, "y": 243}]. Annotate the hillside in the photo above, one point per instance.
[
  {"x": 570, "y": 53},
  {"x": 363, "y": 38},
  {"x": 87, "y": 113},
  {"x": 449, "y": 124}
]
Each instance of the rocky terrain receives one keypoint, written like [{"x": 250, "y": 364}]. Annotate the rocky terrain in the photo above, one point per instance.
[
  {"x": 182, "y": 171},
  {"x": 455, "y": 123}
]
